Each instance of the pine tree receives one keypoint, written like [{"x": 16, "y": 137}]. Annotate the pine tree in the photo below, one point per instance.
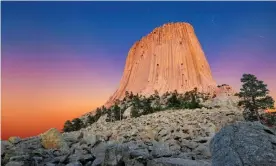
[
  {"x": 254, "y": 96},
  {"x": 173, "y": 102},
  {"x": 117, "y": 112},
  {"x": 68, "y": 126},
  {"x": 126, "y": 94},
  {"x": 136, "y": 102},
  {"x": 77, "y": 124},
  {"x": 109, "y": 117},
  {"x": 90, "y": 119},
  {"x": 103, "y": 110},
  {"x": 147, "y": 109},
  {"x": 131, "y": 95},
  {"x": 134, "y": 112},
  {"x": 194, "y": 103},
  {"x": 99, "y": 113},
  {"x": 156, "y": 94}
]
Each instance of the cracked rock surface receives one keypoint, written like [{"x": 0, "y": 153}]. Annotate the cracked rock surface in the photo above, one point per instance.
[{"x": 244, "y": 144}]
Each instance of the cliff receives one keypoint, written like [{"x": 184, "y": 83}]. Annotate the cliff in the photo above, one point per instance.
[{"x": 169, "y": 58}]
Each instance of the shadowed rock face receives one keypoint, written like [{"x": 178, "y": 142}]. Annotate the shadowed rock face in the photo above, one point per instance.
[
  {"x": 169, "y": 58},
  {"x": 244, "y": 144}
]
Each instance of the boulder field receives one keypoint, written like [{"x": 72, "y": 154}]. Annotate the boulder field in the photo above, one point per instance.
[{"x": 200, "y": 137}]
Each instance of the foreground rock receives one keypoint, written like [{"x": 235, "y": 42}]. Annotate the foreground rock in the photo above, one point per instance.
[
  {"x": 14, "y": 140},
  {"x": 52, "y": 139},
  {"x": 182, "y": 135},
  {"x": 244, "y": 144},
  {"x": 176, "y": 162}
]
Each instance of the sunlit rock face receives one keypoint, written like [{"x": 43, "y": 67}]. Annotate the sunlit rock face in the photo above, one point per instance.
[{"x": 169, "y": 58}]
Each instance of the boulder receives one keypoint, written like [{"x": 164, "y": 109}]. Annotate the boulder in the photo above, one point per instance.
[
  {"x": 49, "y": 164},
  {"x": 37, "y": 160},
  {"x": 135, "y": 153},
  {"x": 127, "y": 112},
  {"x": 113, "y": 155},
  {"x": 202, "y": 150},
  {"x": 244, "y": 144},
  {"x": 91, "y": 139},
  {"x": 15, "y": 163},
  {"x": 99, "y": 152},
  {"x": 14, "y": 140},
  {"x": 5, "y": 145},
  {"x": 19, "y": 158},
  {"x": 74, "y": 164},
  {"x": 98, "y": 162},
  {"x": 30, "y": 143},
  {"x": 188, "y": 144},
  {"x": 161, "y": 150},
  {"x": 102, "y": 119},
  {"x": 141, "y": 153},
  {"x": 176, "y": 162},
  {"x": 52, "y": 139},
  {"x": 81, "y": 158},
  {"x": 71, "y": 137}
]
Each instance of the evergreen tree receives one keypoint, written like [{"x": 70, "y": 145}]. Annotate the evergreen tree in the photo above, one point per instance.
[
  {"x": 136, "y": 102},
  {"x": 117, "y": 112},
  {"x": 134, "y": 112},
  {"x": 68, "y": 126},
  {"x": 90, "y": 119},
  {"x": 99, "y": 113},
  {"x": 77, "y": 124},
  {"x": 157, "y": 106},
  {"x": 194, "y": 103},
  {"x": 131, "y": 95},
  {"x": 151, "y": 97},
  {"x": 173, "y": 102},
  {"x": 127, "y": 95},
  {"x": 156, "y": 94},
  {"x": 103, "y": 110},
  {"x": 109, "y": 115},
  {"x": 254, "y": 96},
  {"x": 147, "y": 109}
]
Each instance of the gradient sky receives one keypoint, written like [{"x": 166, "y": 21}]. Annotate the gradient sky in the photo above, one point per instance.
[{"x": 63, "y": 59}]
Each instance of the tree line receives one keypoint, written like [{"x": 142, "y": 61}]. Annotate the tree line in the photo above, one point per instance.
[
  {"x": 140, "y": 105},
  {"x": 253, "y": 95}
]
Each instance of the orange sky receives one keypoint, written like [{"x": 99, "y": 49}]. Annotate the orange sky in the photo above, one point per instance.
[
  {"x": 37, "y": 104},
  {"x": 28, "y": 109}
]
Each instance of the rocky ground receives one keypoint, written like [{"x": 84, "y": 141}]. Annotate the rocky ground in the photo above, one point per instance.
[{"x": 172, "y": 137}]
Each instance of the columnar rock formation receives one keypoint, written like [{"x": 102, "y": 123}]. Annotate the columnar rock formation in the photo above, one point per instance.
[{"x": 169, "y": 58}]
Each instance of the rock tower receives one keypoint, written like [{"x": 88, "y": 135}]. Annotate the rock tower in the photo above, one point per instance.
[{"x": 169, "y": 58}]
